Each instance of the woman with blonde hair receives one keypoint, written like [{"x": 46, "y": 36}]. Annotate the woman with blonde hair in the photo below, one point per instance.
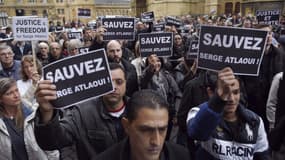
[
  {"x": 17, "y": 140},
  {"x": 30, "y": 75}
]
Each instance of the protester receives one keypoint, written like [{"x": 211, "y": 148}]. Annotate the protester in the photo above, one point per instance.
[
  {"x": 146, "y": 125},
  {"x": 138, "y": 62},
  {"x": 30, "y": 76},
  {"x": 55, "y": 52},
  {"x": 224, "y": 128},
  {"x": 257, "y": 88},
  {"x": 179, "y": 50},
  {"x": 196, "y": 91},
  {"x": 98, "y": 42},
  {"x": 276, "y": 134},
  {"x": 156, "y": 78},
  {"x": 87, "y": 37},
  {"x": 114, "y": 53},
  {"x": 93, "y": 126},
  {"x": 43, "y": 54},
  {"x": 17, "y": 131},
  {"x": 73, "y": 47},
  {"x": 21, "y": 48},
  {"x": 10, "y": 67},
  {"x": 185, "y": 71}
]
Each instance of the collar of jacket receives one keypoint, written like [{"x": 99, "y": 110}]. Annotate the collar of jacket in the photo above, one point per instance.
[
  {"x": 245, "y": 115},
  {"x": 28, "y": 113},
  {"x": 104, "y": 112}
]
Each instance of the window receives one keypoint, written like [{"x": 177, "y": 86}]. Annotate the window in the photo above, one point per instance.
[
  {"x": 228, "y": 8},
  {"x": 237, "y": 7},
  {"x": 34, "y": 12},
  {"x": 45, "y": 13},
  {"x": 32, "y": 1},
  {"x": 59, "y": 1},
  {"x": 2, "y": 1},
  {"x": 60, "y": 11},
  {"x": 3, "y": 19}
]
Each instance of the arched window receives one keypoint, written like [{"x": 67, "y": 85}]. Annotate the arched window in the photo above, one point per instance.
[
  {"x": 34, "y": 13},
  {"x": 237, "y": 7},
  {"x": 45, "y": 14},
  {"x": 229, "y": 8}
]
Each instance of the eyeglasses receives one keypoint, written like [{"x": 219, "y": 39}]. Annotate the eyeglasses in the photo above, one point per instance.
[{"x": 6, "y": 54}]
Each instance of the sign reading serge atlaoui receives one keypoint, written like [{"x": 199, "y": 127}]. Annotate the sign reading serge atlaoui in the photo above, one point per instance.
[
  {"x": 79, "y": 78},
  {"x": 30, "y": 28},
  {"x": 156, "y": 43},
  {"x": 241, "y": 49},
  {"x": 119, "y": 28}
]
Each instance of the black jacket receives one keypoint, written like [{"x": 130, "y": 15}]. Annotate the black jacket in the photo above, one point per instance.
[
  {"x": 88, "y": 126},
  {"x": 132, "y": 78},
  {"x": 121, "y": 151},
  {"x": 18, "y": 54}
]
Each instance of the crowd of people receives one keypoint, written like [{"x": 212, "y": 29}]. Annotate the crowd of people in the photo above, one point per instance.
[{"x": 219, "y": 115}]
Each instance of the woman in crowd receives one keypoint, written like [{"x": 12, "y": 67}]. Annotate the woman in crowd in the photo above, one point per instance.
[
  {"x": 179, "y": 50},
  {"x": 17, "y": 140},
  {"x": 157, "y": 78},
  {"x": 30, "y": 76}
]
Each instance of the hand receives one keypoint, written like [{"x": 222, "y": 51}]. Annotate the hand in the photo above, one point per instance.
[
  {"x": 194, "y": 67},
  {"x": 35, "y": 77},
  {"x": 174, "y": 121},
  {"x": 226, "y": 79},
  {"x": 45, "y": 92},
  {"x": 152, "y": 68}
]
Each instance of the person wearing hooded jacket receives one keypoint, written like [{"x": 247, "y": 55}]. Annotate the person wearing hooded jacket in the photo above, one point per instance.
[{"x": 225, "y": 129}]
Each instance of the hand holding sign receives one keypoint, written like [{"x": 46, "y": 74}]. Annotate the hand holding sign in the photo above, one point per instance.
[
  {"x": 240, "y": 48},
  {"x": 46, "y": 92}
]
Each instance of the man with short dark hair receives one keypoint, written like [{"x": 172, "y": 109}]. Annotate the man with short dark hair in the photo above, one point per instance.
[
  {"x": 92, "y": 126},
  {"x": 224, "y": 128},
  {"x": 146, "y": 124}
]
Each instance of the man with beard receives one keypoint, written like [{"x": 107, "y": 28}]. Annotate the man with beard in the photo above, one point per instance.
[
  {"x": 92, "y": 126},
  {"x": 114, "y": 53}
]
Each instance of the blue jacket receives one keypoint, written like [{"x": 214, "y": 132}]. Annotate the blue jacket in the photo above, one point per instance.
[
  {"x": 218, "y": 142},
  {"x": 13, "y": 73}
]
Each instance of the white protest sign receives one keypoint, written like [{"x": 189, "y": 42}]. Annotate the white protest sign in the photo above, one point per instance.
[{"x": 30, "y": 28}]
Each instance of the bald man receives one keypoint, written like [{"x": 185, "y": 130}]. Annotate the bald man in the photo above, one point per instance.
[{"x": 114, "y": 53}]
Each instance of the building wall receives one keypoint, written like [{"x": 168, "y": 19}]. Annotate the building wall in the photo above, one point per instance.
[
  {"x": 198, "y": 7},
  {"x": 168, "y": 7},
  {"x": 250, "y": 7},
  {"x": 64, "y": 10}
]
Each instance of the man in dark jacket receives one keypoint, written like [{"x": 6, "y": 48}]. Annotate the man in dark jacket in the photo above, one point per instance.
[
  {"x": 146, "y": 125},
  {"x": 93, "y": 125},
  {"x": 20, "y": 49},
  {"x": 257, "y": 88},
  {"x": 114, "y": 53},
  {"x": 98, "y": 42}
]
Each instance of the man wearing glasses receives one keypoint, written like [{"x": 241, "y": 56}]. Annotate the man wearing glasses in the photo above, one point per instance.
[{"x": 10, "y": 67}]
